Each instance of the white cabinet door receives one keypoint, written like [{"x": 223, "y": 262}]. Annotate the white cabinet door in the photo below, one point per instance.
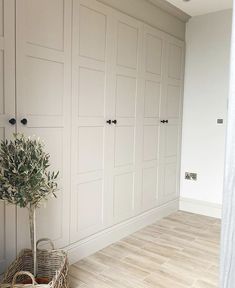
[
  {"x": 43, "y": 46},
  {"x": 126, "y": 110},
  {"x": 106, "y": 69},
  {"x": 7, "y": 112},
  {"x": 90, "y": 204},
  {"x": 170, "y": 132},
  {"x": 125, "y": 72},
  {"x": 154, "y": 56}
]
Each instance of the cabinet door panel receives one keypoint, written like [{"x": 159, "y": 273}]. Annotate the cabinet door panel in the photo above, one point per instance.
[
  {"x": 123, "y": 196},
  {"x": 92, "y": 33},
  {"x": 170, "y": 180},
  {"x": 152, "y": 99},
  {"x": 173, "y": 101},
  {"x": 150, "y": 191},
  {"x": 89, "y": 195},
  {"x": 172, "y": 141},
  {"x": 38, "y": 98},
  {"x": 153, "y": 73},
  {"x": 154, "y": 54},
  {"x": 151, "y": 140},
  {"x": 175, "y": 58},
  {"x": 49, "y": 32},
  {"x": 172, "y": 111},
  {"x": 124, "y": 146},
  {"x": 127, "y": 45},
  {"x": 90, "y": 149},
  {"x": 43, "y": 98},
  {"x": 90, "y": 132},
  {"x": 7, "y": 111},
  {"x": 126, "y": 91},
  {"x": 91, "y": 93},
  {"x": 125, "y": 96}
]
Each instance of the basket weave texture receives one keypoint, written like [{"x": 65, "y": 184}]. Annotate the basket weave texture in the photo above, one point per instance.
[{"x": 52, "y": 264}]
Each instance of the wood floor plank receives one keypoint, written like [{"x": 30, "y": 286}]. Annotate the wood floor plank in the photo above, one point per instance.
[
  {"x": 74, "y": 282},
  {"x": 203, "y": 284},
  {"x": 91, "y": 266},
  {"x": 90, "y": 279},
  {"x": 134, "y": 241},
  {"x": 122, "y": 279},
  {"x": 172, "y": 272},
  {"x": 142, "y": 262},
  {"x": 120, "y": 266},
  {"x": 161, "y": 280},
  {"x": 181, "y": 250}
]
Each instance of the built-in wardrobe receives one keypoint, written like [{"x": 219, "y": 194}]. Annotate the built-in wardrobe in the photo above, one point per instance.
[{"x": 104, "y": 92}]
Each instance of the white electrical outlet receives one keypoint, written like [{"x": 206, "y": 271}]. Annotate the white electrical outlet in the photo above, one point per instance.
[{"x": 191, "y": 176}]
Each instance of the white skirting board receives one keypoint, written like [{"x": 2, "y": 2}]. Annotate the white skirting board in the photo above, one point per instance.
[
  {"x": 201, "y": 207},
  {"x": 106, "y": 237}
]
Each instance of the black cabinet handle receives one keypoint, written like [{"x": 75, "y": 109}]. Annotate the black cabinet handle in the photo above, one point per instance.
[
  {"x": 164, "y": 121},
  {"x": 109, "y": 122},
  {"x": 24, "y": 121},
  {"x": 12, "y": 121},
  {"x": 114, "y": 122}
]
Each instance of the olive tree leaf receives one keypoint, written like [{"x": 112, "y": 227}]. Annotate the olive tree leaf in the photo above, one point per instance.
[{"x": 24, "y": 176}]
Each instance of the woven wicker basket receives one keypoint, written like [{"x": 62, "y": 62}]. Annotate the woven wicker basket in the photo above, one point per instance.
[{"x": 52, "y": 264}]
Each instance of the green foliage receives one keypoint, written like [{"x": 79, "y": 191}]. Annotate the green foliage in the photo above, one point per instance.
[{"x": 24, "y": 176}]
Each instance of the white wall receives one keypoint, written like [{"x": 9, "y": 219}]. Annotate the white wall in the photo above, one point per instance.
[{"x": 205, "y": 100}]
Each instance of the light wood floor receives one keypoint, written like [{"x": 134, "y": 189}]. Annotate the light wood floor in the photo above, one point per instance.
[{"x": 178, "y": 251}]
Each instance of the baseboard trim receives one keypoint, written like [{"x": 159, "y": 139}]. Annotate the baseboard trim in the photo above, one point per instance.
[
  {"x": 102, "y": 239},
  {"x": 201, "y": 207}
]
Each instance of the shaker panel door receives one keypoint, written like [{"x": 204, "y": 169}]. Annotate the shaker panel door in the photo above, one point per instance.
[
  {"x": 126, "y": 111},
  {"x": 44, "y": 102},
  {"x": 153, "y": 75},
  {"x": 170, "y": 144},
  {"x": 90, "y": 132}
]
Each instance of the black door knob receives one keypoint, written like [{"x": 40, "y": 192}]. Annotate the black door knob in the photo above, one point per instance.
[
  {"x": 114, "y": 122},
  {"x": 164, "y": 121},
  {"x": 12, "y": 121},
  {"x": 109, "y": 122},
  {"x": 24, "y": 121}
]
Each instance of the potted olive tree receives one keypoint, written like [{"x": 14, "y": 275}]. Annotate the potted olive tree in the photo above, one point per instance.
[{"x": 25, "y": 179}]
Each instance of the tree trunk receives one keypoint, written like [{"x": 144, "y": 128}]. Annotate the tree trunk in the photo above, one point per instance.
[{"x": 32, "y": 225}]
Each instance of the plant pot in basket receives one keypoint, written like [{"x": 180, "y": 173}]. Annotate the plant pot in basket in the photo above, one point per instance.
[
  {"x": 52, "y": 269},
  {"x": 26, "y": 181}
]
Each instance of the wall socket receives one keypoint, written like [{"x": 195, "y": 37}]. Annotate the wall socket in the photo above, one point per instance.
[{"x": 191, "y": 176}]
